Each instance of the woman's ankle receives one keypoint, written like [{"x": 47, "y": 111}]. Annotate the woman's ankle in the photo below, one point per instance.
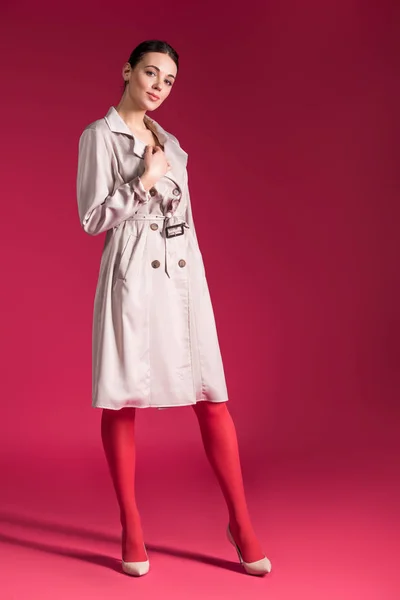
[{"x": 133, "y": 549}]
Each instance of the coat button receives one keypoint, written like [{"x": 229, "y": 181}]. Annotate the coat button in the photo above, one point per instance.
[
  {"x": 153, "y": 191},
  {"x": 175, "y": 192},
  {"x": 154, "y": 226},
  {"x": 182, "y": 262},
  {"x": 155, "y": 264}
]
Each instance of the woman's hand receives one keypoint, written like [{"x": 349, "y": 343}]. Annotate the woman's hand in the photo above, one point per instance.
[{"x": 155, "y": 165}]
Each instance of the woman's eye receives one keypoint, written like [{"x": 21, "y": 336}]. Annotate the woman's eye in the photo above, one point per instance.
[{"x": 152, "y": 73}]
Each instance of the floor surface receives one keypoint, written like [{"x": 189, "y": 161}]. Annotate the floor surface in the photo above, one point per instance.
[{"x": 329, "y": 525}]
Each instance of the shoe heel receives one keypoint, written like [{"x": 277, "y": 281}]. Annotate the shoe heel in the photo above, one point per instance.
[{"x": 232, "y": 541}]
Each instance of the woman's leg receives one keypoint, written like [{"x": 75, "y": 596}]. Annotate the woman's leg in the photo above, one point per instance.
[
  {"x": 118, "y": 437},
  {"x": 220, "y": 443}
]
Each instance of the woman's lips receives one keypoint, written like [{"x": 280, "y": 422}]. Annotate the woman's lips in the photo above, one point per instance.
[{"x": 153, "y": 97}]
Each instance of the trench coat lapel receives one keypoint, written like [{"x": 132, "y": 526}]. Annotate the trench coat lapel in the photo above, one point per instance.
[{"x": 173, "y": 152}]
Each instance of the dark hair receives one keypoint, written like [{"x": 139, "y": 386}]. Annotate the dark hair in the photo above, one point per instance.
[{"x": 151, "y": 46}]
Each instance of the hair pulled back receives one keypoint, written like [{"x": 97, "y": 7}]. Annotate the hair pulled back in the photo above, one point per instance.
[{"x": 151, "y": 46}]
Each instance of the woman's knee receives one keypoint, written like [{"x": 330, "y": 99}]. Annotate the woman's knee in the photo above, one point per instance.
[
  {"x": 121, "y": 414},
  {"x": 205, "y": 407}
]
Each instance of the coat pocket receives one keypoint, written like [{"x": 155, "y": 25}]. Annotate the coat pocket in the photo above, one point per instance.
[{"x": 123, "y": 258}]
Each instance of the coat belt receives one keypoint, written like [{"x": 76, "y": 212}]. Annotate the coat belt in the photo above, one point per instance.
[{"x": 169, "y": 219}]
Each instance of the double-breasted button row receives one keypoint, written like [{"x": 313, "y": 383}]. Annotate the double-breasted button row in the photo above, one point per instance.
[
  {"x": 153, "y": 191},
  {"x": 156, "y": 263}
]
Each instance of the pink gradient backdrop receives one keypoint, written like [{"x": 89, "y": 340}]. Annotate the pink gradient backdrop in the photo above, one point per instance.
[{"x": 289, "y": 113}]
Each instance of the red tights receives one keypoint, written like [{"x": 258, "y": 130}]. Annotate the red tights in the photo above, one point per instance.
[{"x": 220, "y": 443}]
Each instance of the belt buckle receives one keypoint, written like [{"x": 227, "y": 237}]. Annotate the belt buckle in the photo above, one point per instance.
[{"x": 174, "y": 230}]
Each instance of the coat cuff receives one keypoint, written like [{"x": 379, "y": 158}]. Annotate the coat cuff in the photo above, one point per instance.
[{"x": 144, "y": 195}]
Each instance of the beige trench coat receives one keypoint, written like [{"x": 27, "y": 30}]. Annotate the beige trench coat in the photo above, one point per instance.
[{"x": 154, "y": 337}]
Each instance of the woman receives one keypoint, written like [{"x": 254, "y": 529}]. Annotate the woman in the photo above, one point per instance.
[{"x": 155, "y": 341}]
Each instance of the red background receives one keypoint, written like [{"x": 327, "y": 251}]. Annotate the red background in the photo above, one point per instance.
[{"x": 289, "y": 113}]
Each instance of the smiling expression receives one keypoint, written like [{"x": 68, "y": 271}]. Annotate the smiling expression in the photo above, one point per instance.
[{"x": 151, "y": 81}]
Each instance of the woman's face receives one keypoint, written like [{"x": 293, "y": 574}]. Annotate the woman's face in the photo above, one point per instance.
[{"x": 151, "y": 81}]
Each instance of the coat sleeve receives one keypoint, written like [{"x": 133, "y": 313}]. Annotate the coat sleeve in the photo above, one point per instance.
[{"x": 101, "y": 207}]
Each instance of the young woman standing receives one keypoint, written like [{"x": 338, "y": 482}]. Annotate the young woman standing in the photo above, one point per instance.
[{"x": 155, "y": 341}]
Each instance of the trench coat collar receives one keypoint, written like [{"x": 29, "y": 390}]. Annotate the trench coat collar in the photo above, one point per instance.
[{"x": 173, "y": 152}]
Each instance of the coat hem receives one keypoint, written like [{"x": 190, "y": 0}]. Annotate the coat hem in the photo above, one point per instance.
[{"x": 159, "y": 405}]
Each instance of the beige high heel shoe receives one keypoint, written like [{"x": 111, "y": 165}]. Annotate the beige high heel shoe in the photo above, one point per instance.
[
  {"x": 136, "y": 568},
  {"x": 258, "y": 567}
]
